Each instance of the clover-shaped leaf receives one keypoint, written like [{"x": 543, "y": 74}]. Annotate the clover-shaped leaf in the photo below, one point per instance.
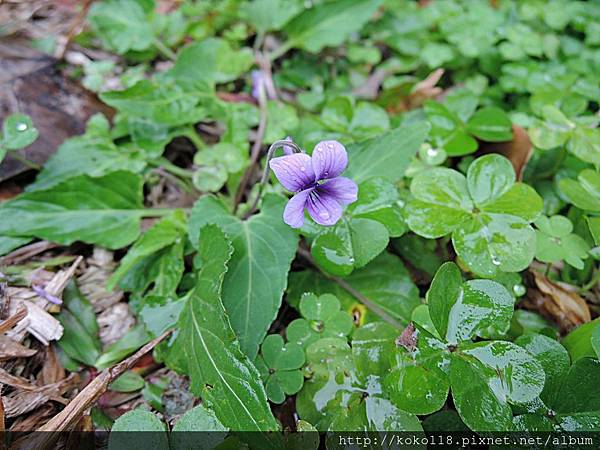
[
  {"x": 585, "y": 192},
  {"x": 280, "y": 365},
  {"x": 556, "y": 242},
  {"x": 17, "y": 132},
  {"x": 487, "y": 213},
  {"x": 322, "y": 318}
]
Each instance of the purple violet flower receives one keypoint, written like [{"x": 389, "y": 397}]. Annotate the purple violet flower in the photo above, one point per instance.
[{"x": 317, "y": 184}]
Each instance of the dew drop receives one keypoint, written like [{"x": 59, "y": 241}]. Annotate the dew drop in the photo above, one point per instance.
[
  {"x": 330, "y": 145},
  {"x": 351, "y": 260},
  {"x": 324, "y": 214},
  {"x": 319, "y": 149},
  {"x": 519, "y": 290},
  {"x": 303, "y": 169},
  {"x": 432, "y": 152},
  {"x": 495, "y": 261},
  {"x": 21, "y": 126},
  {"x": 326, "y": 174}
]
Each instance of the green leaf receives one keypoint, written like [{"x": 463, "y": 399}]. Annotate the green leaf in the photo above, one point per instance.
[
  {"x": 350, "y": 244},
  {"x": 128, "y": 344},
  {"x": 387, "y": 155},
  {"x": 281, "y": 356},
  {"x": 555, "y": 242},
  {"x": 165, "y": 101},
  {"x": 491, "y": 242},
  {"x": 122, "y": 25},
  {"x": 579, "y": 342},
  {"x": 17, "y": 132},
  {"x": 321, "y": 318},
  {"x": 499, "y": 373},
  {"x": 148, "y": 431},
  {"x": 8, "y": 244},
  {"x": 553, "y": 357},
  {"x": 473, "y": 308},
  {"x": 270, "y": 15},
  {"x": 167, "y": 231},
  {"x": 207, "y": 349},
  {"x": 197, "y": 419},
  {"x": 161, "y": 312},
  {"x": 578, "y": 391},
  {"x": 585, "y": 192},
  {"x": 212, "y": 60},
  {"x": 329, "y": 24},
  {"x": 585, "y": 144},
  {"x": 384, "y": 281},
  {"x": 104, "y": 211},
  {"x": 372, "y": 348},
  {"x": 489, "y": 177},
  {"x": 490, "y": 124},
  {"x": 80, "y": 337},
  {"x": 264, "y": 247},
  {"x": 283, "y": 120},
  {"x": 128, "y": 382},
  {"x": 95, "y": 156}
]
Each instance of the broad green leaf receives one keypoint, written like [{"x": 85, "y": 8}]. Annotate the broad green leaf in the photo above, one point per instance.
[
  {"x": 489, "y": 177},
  {"x": 350, "y": 244},
  {"x": 579, "y": 342},
  {"x": 268, "y": 15},
  {"x": 490, "y": 124},
  {"x": 8, "y": 243},
  {"x": 122, "y": 25},
  {"x": 585, "y": 192},
  {"x": 184, "y": 435},
  {"x": 164, "y": 233},
  {"x": 444, "y": 292},
  {"x": 138, "y": 428},
  {"x": 418, "y": 380},
  {"x": 329, "y": 24},
  {"x": 212, "y": 61},
  {"x": 384, "y": 281},
  {"x": 520, "y": 200},
  {"x": 491, "y": 242},
  {"x": 264, "y": 247},
  {"x": 128, "y": 344},
  {"x": 104, "y": 211},
  {"x": 161, "y": 312},
  {"x": 17, "y": 132},
  {"x": 555, "y": 242},
  {"x": 433, "y": 221},
  {"x": 553, "y": 357},
  {"x": 442, "y": 187},
  {"x": 585, "y": 144},
  {"x": 578, "y": 391},
  {"x": 208, "y": 350},
  {"x": 80, "y": 336},
  {"x": 283, "y": 120},
  {"x": 165, "y": 101},
  {"x": 499, "y": 373},
  {"x": 281, "y": 356},
  {"x": 372, "y": 348},
  {"x": 128, "y": 382},
  {"x": 87, "y": 155},
  {"x": 387, "y": 155}
]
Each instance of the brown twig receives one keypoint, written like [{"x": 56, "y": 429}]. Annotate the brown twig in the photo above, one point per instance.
[
  {"x": 13, "y": 320},
  {"x": 348, "y": 288},
  {"x": 24, "y": 253}
]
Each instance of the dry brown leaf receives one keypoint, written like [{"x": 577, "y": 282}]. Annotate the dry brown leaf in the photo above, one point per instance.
[
  {"x": 16, "y": 381},
  {"x": 92, "y": 282},
  {"x": 52, "y": 371},
  {"x": 34, "y": 420},
  {"x": 518, "y": 151},
  {"x": 21, "y": 402},
  {"x": 9, "y": 323},
  {"x": 10, "y": 349},
  {"x": 114, "y": 323},
  {"x": 557, "y": 302},
  {"x": 423, "y": 90}
]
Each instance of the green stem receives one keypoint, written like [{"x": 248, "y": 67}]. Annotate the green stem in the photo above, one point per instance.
[
  {"x": 170, "y": 167},
  {"x": 279, "y": 52},
  {"x": 164, "y": 50},
  {"x": 26, "y": 162},
  {"x": 590, "y": 284},
  {"x": 193, "y": 136}
]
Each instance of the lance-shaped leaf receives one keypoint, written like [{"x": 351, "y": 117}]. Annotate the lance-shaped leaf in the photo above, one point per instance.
[
  {"x": 264, "y": 247},
  {"x": 104, "y": 211},
  {"x": 206, "y": 347}
]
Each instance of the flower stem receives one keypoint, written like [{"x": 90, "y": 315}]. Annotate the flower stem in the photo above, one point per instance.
[
  {"x": 192, "y": 135},
  {"x": 164, "y": 50},
  {"x": 26, "y": 161}
]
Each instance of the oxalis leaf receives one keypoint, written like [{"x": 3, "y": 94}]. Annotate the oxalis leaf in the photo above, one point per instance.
[
  {"x": 329, "y": 24},
  {"x": 206, "y": 347},
  {"x": 487, "y": 213},
  {"x": 264, "y": 247},
  {"x": 104, "y": 211}
]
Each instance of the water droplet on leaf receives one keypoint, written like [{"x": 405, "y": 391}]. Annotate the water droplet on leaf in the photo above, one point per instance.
[
  {"x": 21, "y": 126},
  {"x": 519, "y": 290}
]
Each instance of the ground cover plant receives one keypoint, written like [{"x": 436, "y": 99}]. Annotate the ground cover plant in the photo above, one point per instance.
[{"x": 324, "y": 215}]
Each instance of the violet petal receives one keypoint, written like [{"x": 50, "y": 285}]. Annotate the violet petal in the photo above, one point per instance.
[
  {"x": 294, "y": 172},
  {"x": 288, "y": 150},
  {"x": 329, "y": 159},
  {"x": 293, "y": 214},
  {"x": 343, "y": 189},
  {"x": 323, "y": 208},
  {"x": 45, "y": 295}
]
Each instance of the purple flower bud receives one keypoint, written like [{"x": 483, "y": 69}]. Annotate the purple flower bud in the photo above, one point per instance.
[
  {"x": 315, "y": 180},
  {"x": 288, "y": 150},
  {"x": 258, "y": 84},
  {"x": 45, "y": 295}
]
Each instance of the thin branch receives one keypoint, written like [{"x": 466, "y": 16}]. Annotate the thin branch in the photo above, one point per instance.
[{"x": 348, "y": 288}]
